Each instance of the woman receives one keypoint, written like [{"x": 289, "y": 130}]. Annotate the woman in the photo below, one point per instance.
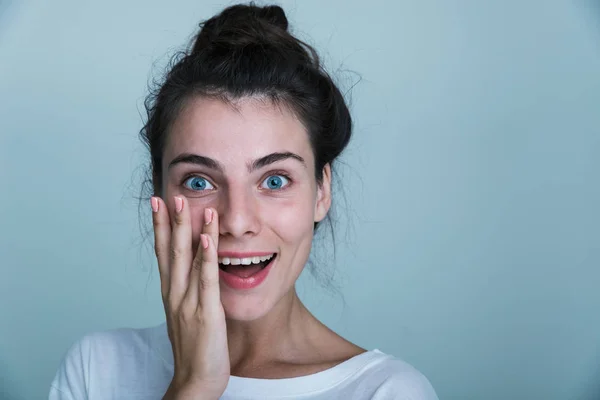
[{"x": 242, "y": 137}]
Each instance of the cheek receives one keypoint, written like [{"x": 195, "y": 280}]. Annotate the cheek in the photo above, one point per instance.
[{"x": 291, "y": 219}]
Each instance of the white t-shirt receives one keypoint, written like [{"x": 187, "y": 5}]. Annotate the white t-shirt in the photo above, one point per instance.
[{"x": 137, "y": 364}]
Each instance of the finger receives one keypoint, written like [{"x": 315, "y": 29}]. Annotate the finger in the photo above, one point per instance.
[
  {"x": 211, "y": 226},
  {"x": 208, "y": 282},
  {"x": 197, "y": 265},
  {"x": 162, "y": 239},
  {"x": 181, "y": 249},
  {"x": 209, "y": 293}
]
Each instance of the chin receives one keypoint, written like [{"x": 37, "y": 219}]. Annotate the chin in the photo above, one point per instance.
[{"x": 240, "y": 308}]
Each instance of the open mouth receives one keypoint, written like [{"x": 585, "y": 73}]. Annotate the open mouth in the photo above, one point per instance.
[{"x": 245, "y": 267}]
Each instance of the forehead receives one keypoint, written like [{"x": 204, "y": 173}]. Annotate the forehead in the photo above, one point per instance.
[{"x": 247, "y": 129}]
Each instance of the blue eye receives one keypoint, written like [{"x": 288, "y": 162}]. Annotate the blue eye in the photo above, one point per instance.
[
  {"x": 275, "y": 182},
  {"x": 197, "y": 183}
]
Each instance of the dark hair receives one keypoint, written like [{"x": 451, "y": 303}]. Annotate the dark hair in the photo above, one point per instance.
[{"x": 247, "y": 50}]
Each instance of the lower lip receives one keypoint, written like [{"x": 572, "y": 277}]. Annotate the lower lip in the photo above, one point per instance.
[{"x": 237, "y": 282}]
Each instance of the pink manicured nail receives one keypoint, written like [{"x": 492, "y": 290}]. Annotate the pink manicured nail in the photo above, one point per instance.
[
  {"x": 208, "y": 216},
  {"x": 154, "y": 203},
  {"x": 178, "y": 204},
  {"x": 204, "y": 240}
]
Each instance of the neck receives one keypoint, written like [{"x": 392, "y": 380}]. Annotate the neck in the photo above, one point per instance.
[{"x": 280, "y": 335}]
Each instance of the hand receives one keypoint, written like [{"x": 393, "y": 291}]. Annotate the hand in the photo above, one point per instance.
[{"x": 192, "y": 301}]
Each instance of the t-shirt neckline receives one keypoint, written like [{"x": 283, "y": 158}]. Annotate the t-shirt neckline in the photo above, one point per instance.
[
  {"x": 284, "y": 387},
  {"x": 302, "y": 385}
]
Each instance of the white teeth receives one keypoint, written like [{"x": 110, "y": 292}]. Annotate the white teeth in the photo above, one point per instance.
[{"x": 244, "y": 261}]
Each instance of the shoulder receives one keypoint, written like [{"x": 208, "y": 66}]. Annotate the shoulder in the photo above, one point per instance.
[
  {"x": 389, "y": 377},
  {"x": 104, "y": 356},
  {"x": 115, "y": 343}
]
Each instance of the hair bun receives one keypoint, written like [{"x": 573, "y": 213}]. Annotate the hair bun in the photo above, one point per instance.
[
  {"x": 275, "y": 15},
  {"x": 241, "y": 24}
]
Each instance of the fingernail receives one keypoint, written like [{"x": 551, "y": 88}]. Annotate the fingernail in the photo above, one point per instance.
[
  {"x": 178, "y": 204},
  {"x": 204, "y": 241},
  {"x": 208, "y": 216},
  {"x": 154, "y": 203}
]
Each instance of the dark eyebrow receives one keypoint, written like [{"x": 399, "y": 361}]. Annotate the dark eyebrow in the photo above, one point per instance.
[
  {"x": 272, "y": 158},
  {"x": 188, "y": 158}
]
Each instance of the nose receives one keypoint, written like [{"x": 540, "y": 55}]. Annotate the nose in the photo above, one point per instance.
[{"x": 238, "y": 214}]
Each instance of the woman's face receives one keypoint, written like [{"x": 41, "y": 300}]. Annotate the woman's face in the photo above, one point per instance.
[{"x": 265, "y": 205}]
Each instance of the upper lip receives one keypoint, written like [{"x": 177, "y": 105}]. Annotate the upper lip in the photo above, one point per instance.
[{"x": 238, "y": 254}]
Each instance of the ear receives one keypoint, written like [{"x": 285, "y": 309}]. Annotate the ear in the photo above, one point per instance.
[{"x": 323, "y": 195}]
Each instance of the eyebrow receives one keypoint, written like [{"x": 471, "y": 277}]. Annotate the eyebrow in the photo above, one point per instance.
[{"x": 189, "y": 158}]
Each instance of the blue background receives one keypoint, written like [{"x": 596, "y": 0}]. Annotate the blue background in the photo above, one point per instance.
[{"x": 470, "y": 242}]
